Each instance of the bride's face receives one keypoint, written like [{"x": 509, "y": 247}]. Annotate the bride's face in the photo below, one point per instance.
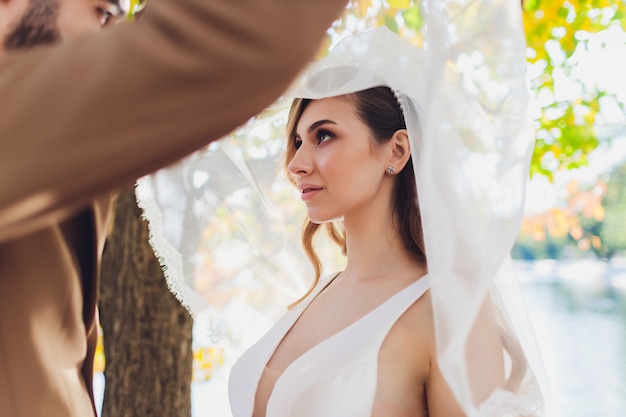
[{"x": 337, "y": 166}]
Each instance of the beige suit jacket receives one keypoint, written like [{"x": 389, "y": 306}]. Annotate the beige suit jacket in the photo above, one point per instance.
[{"x": 82, "y": 118}]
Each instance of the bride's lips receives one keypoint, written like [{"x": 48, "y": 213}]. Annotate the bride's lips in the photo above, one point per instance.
[{"x": 308, "y": 191}]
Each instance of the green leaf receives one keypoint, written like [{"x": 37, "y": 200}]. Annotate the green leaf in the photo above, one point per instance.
[
  {"x": 413, "y": 19},
  {"x": 531, "y": 5},
  {"x": 391, "y": 23},
  {"x": 562, "y": 12}
]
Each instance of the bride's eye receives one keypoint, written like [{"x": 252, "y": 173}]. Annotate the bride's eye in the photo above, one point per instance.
[
  {"x": 297, "y": 143},
  {"x": 323, "y": 136}
]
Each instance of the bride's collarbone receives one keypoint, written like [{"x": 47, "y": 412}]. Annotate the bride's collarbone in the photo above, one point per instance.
[
  {"x": 332, "y": 311},
  {"x": 315, "y": 325}
]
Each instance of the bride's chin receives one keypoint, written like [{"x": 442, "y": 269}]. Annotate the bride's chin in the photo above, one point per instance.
[{"x": 324, "y": 219}]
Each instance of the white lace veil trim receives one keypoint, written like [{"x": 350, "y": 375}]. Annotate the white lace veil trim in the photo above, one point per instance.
[{"x": 466, "y": 108}]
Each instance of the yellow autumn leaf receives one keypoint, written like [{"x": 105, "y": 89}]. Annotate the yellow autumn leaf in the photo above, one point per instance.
[
  {"x": 206, "y": 361},
  {"x": 362, "y": 7},
  {"x": 324, "y": 47},
  {"x": 539, "y": 233},
  {"x": 99, "y": 362},
  {"x": 399, "y": 4},
  {"x": 576, "y": 232},
  {"x": 598, "y": 213},
  {"x": 596, "y": 242},
  {"x": 557, "y": 224}
]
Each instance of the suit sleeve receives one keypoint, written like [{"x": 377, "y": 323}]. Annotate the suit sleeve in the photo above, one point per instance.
[{"x": 86, "y": 116}]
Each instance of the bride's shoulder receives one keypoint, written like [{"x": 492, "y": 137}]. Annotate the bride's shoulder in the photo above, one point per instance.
[
  {"x": 409, "y": 348},
  {"x": 414, "y": 331}
]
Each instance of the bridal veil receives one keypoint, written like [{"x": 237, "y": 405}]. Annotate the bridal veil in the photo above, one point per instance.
[{"x": 222, "y": 226}]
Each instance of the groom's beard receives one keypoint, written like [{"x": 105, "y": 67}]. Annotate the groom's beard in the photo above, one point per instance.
[{"x": 38, "y": 26}]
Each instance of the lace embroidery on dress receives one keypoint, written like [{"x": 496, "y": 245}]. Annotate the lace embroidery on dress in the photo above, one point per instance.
[{"x": 527, "y": 402}]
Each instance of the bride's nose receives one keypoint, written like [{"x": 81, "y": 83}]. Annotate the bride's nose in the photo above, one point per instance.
[{"x": 301, "y": 164}]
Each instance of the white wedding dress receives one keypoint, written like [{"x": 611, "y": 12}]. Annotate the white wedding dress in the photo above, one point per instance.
[{"x": 335, "y": 378}]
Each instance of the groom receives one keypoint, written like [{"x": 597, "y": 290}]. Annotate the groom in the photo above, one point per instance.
[{"x": 83, "y": 116}]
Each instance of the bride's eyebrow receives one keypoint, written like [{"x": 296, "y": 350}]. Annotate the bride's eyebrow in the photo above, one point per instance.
[
  {"x": 319, "y": 123},
  {"x": 314, "y": 126}
]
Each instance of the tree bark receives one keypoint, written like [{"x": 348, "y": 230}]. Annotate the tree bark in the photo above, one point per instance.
[{"x": 147, "y": 333}]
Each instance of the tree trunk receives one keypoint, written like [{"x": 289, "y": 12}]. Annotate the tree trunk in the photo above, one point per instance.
[{"x": 147, "y": 333}]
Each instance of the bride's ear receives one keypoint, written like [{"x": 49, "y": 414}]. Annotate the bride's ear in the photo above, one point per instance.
[{"x": 400, "y": 150}]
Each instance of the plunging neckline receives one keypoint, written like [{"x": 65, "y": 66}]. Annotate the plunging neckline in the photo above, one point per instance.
[
  {"x": 302, "y": 309},
  {"x": 320, "y": 345}
]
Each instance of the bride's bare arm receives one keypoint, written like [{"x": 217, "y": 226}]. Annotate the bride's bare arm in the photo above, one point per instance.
[{"x": 485, "y": 361}]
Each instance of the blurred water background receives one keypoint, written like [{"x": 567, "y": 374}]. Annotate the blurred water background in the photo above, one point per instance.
[{"x": 578, "y": 308}]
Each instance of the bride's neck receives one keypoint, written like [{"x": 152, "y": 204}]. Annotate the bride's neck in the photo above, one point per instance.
[{"x": 376, "y": 251}]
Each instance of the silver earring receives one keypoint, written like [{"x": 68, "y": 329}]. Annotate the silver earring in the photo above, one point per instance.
[{"x": 391, "y": 169}]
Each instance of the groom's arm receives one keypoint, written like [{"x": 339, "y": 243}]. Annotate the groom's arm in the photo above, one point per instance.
[{"x": 86, "y": 116}]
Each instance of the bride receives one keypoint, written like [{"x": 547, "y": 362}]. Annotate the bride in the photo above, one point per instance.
[
  {"x": 363, "y": 341},
  {"x": 416, "y": 167}
]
